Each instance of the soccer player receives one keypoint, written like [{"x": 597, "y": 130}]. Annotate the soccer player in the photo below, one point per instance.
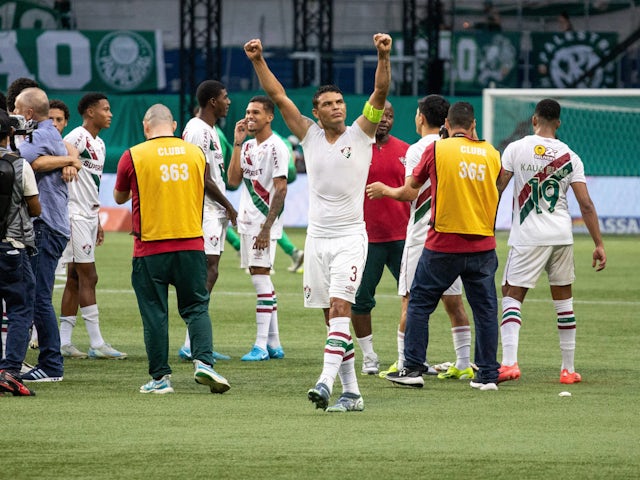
[
  {"x": 86, "y": 232},
  {"x": 430, "y": 117},
  {"x": 213, "y": 101},
  {"x": 337, "y": 159},
  {"x": 386, "y": 224},
  {"x": 59, "y": 114},
  {"x": 165, "y": 178},
  {"x": 261, "y": 163},
  {"x": 543, "y": 169}
]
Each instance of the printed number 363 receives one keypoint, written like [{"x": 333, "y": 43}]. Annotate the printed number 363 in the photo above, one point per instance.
[{"x": 174, "y": 172}]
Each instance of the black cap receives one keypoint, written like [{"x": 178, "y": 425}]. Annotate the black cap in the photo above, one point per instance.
[{"x": 5, "y": 125}]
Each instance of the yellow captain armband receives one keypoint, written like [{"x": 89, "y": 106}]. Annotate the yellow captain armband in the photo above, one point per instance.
[{"x": 371, "y": 113}]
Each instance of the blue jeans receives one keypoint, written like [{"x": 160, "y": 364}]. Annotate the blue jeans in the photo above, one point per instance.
[
  {"x": 435, "y": 273},
  {"x": 50, "y": 245},
  {"x": 17, "y": 287}
]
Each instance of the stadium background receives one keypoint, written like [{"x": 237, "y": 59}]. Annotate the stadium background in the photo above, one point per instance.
[{"x": 83, "y": 29}]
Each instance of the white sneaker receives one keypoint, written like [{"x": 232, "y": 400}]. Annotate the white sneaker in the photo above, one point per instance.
[
  {"x": 483, "y": 386},
  {"x": 370, "y": 365},
  {"x": 297, "y": 259},
  {"x": 71, "y": 351},
  {"x": 106, "y": 351}
]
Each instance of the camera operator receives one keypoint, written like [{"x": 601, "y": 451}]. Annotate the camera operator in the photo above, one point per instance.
[
  {"x": 49, "y": 158},
  {"x": 17, "y": 240}
]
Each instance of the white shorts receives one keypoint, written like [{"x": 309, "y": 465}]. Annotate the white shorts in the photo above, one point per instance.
[
  {"x": 333, "y": 268},
  {"x": 82, "y": 244},
  {"x": 215, "y": 233},
  {"x": 408, "y": 266},
  {"x": 525, "y": 264},
  {"x": 252, "y": 257}
]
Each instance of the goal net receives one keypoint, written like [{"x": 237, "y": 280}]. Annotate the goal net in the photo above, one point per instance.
[{"x": 601, "y": 125}]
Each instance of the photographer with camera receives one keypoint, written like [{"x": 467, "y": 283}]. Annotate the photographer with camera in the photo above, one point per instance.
[
  {"x": 18, "y": 202},
  {"x": 53, "y": 166}
]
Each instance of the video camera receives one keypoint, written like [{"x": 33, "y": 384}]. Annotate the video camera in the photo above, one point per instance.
[{"x": 21, "y": 126}]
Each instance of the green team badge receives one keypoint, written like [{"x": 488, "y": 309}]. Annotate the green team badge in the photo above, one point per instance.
[
  {"x": 564, "y": 58},
  {"x": 124, "y": 59}
]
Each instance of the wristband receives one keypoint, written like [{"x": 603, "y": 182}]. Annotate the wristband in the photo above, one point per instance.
[{"x": 371, "y": 113}]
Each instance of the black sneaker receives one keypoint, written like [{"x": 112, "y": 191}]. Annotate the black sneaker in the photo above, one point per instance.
[
  {"x": 10, "y": 384},
  {"x": 408, "y": 377}
]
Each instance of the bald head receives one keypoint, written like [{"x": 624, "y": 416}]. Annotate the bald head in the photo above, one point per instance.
[
  {"x": 33, "y": 103},
  {"x": 158, "y": 122}
]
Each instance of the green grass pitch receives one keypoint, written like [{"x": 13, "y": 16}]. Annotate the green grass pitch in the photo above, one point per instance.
[{"x": 95, "y": 424}]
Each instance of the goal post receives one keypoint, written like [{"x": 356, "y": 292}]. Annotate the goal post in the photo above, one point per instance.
[{"x": 600, "y": 125}]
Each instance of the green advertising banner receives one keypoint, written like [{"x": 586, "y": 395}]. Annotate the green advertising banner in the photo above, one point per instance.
[
  {"x": 484, "y": 59},
  {"x": 24, "y": 14},
  {"x": 560, "y": 59},
  {"x": 108, "y": 61}
]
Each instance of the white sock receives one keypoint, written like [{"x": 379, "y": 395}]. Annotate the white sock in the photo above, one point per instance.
[
  {"x": 264, "y": 308},
  {"x": 187, "y": 340},
  {"x": 274, "y": 333},
  {"x": 347, "y": 373},
  {"x": 66, "y": 329},
  {"x": 401, "y": 358},
  {"x": 510, "y": 330},
  {"x": 91, "y": 322},
  {"x": 366, "y": 345},
  {"x": 462, "y": 346},
  {"x": 338, "y": 345},
  {"x": 567, "y": 332}
]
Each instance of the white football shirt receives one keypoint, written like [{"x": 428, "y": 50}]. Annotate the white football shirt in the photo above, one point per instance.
[
  {"x": 420, "y": 214},
  {"x": 543, "y": 170},
  {"x": 200, "y": 133},
  {"x": 337, "y": 176},
  {"x": 83, "y": 192},
  {"x": 260, "y": 164}
]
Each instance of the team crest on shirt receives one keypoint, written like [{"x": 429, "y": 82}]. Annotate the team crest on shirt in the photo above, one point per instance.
[
  {"x": 86, "y": 248},
  {"x": 307, "y": 292},
  {"x": 346, "y": 151}
]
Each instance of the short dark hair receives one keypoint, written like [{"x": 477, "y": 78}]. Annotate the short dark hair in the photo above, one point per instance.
[
  {"x": 324, "y": 89},
  {"x": 17, "y": 86},
  {"x": 207, "y": 90},
  {"x": 266, "y": 102},
  {"x": 461, "y": 115},
  {"x": 89, "y": 100},
  {"x": 548, "y": 109},
  {"x": 60, "y": 105},
  {"x": 434, "y": 108}
]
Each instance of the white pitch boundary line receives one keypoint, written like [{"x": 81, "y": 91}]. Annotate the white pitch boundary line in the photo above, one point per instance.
[{"x": 386, "y": 296}]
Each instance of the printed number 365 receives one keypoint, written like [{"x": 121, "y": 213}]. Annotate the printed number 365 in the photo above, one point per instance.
[
  {"x": 174, "y": 172},
  {"x": 472, "y": 171}
]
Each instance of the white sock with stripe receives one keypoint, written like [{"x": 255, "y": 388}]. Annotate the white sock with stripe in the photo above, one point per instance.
[
  {"x": 274, "y": 333},
  {"x": 339, "y": 345},
  {"x": 264, "y": 308},
  {"x": 567, "y": 332},
  {"x": 510, "y": 330}
]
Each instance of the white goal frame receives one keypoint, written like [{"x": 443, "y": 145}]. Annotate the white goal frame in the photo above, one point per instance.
[{"x": 490, "y": 94}]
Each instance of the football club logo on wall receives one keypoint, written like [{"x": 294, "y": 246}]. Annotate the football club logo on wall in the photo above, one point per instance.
[
  {"x": 124, "y": 60},
  {"x": 562, "y": 59}
]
